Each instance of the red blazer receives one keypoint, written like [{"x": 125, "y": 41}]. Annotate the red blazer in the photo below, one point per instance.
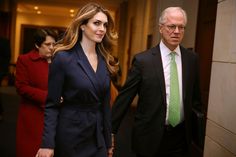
[{"x": 31, "y": 84}]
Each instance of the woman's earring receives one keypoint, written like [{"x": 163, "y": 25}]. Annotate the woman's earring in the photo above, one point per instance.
[{"x": 36, "y": 46}]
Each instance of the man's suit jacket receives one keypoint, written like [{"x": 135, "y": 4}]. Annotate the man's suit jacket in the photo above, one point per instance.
[{"x": 146, "y": 78}]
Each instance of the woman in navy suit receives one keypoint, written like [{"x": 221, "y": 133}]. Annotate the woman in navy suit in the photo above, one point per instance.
[{"x": 80, "y": 72}]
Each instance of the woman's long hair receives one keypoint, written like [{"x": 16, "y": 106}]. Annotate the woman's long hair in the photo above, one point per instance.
[{"x": 74, "y": 33}]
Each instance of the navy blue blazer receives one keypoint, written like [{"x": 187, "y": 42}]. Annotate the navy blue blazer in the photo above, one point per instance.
[
  {"x": 146, "y": 78},
  {"x": 83, "y": 120}
]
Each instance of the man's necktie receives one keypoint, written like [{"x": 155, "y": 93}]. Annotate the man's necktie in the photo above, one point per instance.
[{"x": 174, "y": 101}]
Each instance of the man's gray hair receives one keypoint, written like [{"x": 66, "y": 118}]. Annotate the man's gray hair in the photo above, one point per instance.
[{"x": 164, "y": 13}]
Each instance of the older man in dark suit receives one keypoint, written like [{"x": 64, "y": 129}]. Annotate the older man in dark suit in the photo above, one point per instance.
[{"x": 166, "y": 79}]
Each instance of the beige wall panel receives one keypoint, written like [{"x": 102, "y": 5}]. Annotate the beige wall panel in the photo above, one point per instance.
[
  {"x": 212, "y": 149},
  {"x": 226, "y": 138},
  {"x": 222, "y": 96},
  {"x": 225, "y": 34}
]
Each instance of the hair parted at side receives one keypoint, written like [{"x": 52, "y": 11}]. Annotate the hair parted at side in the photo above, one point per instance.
[
  {"x": 41, "y": 34},
  {"x": 73, "y": 34},
  {"x": 162, "y": 19}
]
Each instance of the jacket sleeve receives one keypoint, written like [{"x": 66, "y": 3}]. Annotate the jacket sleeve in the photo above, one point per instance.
[
  {"x": 126, "y": 95},
  {"x": 197, "y": 104},
  {"x": 55, "y": 84},
  {"x": 23, "y": 85}
]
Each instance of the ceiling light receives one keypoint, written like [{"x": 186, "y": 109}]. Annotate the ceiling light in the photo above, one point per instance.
[
  {"x": 39, "y": 12},
  {"x": 36, "y": 7},
  {"x": 72, "y": 10}
]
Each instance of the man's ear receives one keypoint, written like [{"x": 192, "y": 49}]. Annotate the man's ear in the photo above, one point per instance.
[{"x": 160, "y": 29}]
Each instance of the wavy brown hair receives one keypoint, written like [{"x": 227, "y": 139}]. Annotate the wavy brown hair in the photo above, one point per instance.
[{"x": 73, "y": 34}]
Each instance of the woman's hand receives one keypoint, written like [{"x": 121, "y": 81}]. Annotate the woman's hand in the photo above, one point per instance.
[
  {"x": 110, "y": 152},
  {"x": 45, "y": 152}
]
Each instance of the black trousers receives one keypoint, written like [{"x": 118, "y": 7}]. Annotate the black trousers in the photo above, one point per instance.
[{"x": 173, "y": 143}]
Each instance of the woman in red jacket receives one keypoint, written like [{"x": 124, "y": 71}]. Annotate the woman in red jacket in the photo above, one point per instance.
[{"x": 32, "y": 84}]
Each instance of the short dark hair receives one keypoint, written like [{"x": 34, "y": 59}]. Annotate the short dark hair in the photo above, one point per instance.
[{"x": 41, "y": 34}]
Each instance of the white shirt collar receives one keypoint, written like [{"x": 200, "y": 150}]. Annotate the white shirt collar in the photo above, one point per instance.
[{"x": 165, "y": 51}]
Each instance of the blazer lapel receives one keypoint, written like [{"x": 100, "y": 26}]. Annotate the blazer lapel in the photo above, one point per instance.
[
  {"x": 156, "y": 59},
  {"x": 83, "y": 62},
  {"x": 102, "y": 73}
]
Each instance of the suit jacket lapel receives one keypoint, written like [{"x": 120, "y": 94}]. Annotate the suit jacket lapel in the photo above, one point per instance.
[
  {"x": 156, "y": 59},
  {"x": 184, "y": 70}
]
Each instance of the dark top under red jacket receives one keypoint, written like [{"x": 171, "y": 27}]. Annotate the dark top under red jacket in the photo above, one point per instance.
[{"x": 31, "y": 84}]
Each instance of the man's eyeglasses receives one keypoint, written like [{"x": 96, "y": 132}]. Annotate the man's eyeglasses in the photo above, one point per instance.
[{"x": 172, "y": 28}]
